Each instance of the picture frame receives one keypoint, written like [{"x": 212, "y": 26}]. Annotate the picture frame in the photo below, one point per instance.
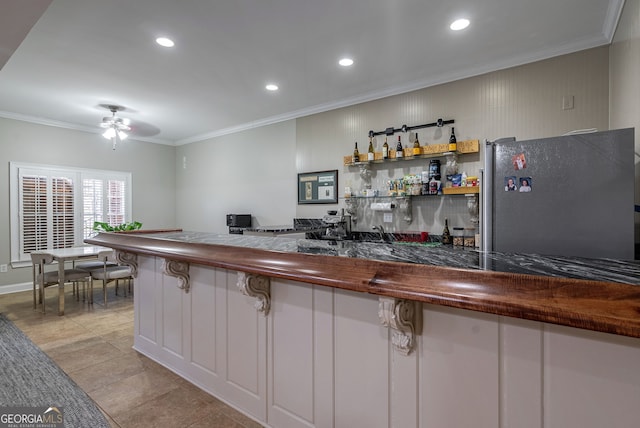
[{"x": 319, "y": 187}]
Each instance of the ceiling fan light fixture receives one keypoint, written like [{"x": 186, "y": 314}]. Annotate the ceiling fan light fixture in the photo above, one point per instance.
[
  {"x": 116, "y": 127},
  {"x": 109, "y": 133}
]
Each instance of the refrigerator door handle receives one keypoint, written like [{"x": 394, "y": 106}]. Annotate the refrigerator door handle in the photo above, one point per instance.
[{"x": 487, "y": 198}]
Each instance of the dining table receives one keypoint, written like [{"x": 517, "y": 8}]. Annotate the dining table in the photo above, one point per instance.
[{"x": 64, "y": 255}]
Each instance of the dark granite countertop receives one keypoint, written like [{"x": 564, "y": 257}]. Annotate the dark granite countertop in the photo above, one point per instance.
[{"x": 608, "y": 270}]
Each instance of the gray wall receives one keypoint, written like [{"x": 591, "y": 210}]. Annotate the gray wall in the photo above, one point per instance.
[
  {"x": 152, "y": 167},
  {"x": 625, "y": 83},
  {"x": 255, "y": 171},
  {"x": 524, "y": 102},
  {"x": 249, "y": 172}
]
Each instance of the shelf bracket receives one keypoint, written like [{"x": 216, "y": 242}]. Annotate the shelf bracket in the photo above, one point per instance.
[
  {"x": 257, "y": 286},
  {"x": 128, "y": 259},
  {"x": 351, "y": 205},
  {"x": 178, "y": 270},
  {"x": 404, "y": 318},
  {"x": 406, "y": 208}
]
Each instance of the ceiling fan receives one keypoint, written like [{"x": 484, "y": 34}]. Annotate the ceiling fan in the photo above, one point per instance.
[{"x": 116, "y": 127}]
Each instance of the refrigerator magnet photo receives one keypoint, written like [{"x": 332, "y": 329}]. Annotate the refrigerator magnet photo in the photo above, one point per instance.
[
  {"x": 519, "y": 161},
  {"x": 510, "y": 184},
  {"x": 525, "y": 184}
]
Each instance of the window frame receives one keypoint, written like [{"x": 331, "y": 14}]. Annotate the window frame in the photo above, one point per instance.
[{"x": 77, "y": 175}]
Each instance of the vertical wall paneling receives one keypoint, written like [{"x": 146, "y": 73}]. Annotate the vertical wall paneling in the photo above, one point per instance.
[
  {"x": 291, "y": 355},
  {"x": 624, "y": 84},
  {"x": 203, "y": 305},
  {"x": 145, "y": 300},
  {"x": 172, "y": 315},
  {"x": 459, "y": 369},
  {"x": 245, "y": 348},
  {"x": 361, "y": 361},
  {"x": 521, "y": 373},
  {"x": 524, "y": 102},
  {"x": 590, "y": 379}
]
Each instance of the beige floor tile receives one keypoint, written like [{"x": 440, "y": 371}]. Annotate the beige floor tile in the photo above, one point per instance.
[
  {"x": 122, "y": 396},
  {"x": 94, "y": 345},
  {"x": 101, "y": 374},
  {"x": 178, "y": 408}
]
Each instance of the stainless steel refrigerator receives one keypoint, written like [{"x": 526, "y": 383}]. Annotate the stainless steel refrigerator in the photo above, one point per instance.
[{"x": 569, "y": 196}]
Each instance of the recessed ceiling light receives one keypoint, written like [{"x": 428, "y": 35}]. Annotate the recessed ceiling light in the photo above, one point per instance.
[
  {"x": 459, "y": 24},
  {"x": 345, "y": 62},
  {"x": 271, "y": 87},
  {"x": 163, "y": 41}
]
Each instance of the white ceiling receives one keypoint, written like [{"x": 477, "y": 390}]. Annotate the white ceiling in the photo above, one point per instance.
[{"x": 82, "y": 54}]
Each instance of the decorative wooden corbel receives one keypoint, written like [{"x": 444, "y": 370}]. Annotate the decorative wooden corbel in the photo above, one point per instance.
[
  {"x": 256, "y": 286},
  {"x": 128, "y": 259},
  {"x": 178, "y": 270},
  {"x": 403, "y": 316}
]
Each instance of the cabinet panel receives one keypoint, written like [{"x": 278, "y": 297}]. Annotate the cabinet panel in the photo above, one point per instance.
[
  {"x": 291, "y": 352},
  {"x": 458, "y": 369},
  {"x": 145, "y": 300},
  {"x": 244, "y": 333},
  {"x": 590, "y": 379},
  {"x": 203, "y": 328},
  {"x": 172, "y": 320},
  {"x": 361, "y": 359}
]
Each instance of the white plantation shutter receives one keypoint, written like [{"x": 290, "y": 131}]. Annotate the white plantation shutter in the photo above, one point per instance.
[
  {"x": 55, "y": 207},
  {"x": 33, "y": 206},
  {"x": 116, "y": 202},
  {"x": 104, "y": 200},
  {"x": 93, "y": 203},
  {"x": 62, "y": 213}
]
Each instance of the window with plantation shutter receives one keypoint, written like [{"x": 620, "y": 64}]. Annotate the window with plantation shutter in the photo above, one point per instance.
[
  {"x": 33, "y": 223},
  {"x": 56, "y": 207}
]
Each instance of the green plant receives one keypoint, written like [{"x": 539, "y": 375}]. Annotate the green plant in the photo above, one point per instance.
[{"x": 106, "y": 227}]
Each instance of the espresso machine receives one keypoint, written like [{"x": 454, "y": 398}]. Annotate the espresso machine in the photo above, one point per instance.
[{"x": 338, "y": 225}]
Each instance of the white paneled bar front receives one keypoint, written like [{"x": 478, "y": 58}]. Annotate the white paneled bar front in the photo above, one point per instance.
[{"x": 294, "y": 354}]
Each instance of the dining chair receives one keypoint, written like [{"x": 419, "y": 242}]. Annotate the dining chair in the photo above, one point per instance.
[
  {"x": 43, "y": 279},
  {"x": 109, "y": 272}
]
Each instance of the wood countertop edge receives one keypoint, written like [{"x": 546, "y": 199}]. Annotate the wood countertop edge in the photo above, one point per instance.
[{"x": 592, "y": 305}]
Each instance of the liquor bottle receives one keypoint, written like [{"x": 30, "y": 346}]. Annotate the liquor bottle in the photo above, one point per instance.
[
  {"x": 416, "y": 146},
  {"x": 356, "y": 154},
  {"x": 446, "y": 236},
  {"x": 399, "y": 148},
  {"x": 453, "y": 143},
  {"x": 385, "y": 149},
  {"x": 370, "y": 153}
]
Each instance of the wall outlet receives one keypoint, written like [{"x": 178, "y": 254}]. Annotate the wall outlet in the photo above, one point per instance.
[{"x": 3, "y": 268}]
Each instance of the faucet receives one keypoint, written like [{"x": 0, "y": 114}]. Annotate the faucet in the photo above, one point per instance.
[{"x": 380, "y": 230}]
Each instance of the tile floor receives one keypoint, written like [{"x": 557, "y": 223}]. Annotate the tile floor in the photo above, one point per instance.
[{"x": 94, "y": 347}]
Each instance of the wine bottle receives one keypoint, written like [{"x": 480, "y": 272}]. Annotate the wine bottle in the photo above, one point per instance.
[
  {"x": 356, "y": 154},
  {"x": 370, "y": 153},
  {"x": 416, "y": 146},
  {"x": 399, "y": 148},
  {"x": 453, "y": 143},
  {"x": 385, "y": 149},
  {"x": 446, "y": 236}
]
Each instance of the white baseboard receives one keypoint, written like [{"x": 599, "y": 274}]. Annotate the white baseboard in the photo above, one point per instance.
[{"x": 15, "y": 288}]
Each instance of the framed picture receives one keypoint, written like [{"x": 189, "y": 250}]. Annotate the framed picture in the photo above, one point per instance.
[{"x": 319, "y": 187}]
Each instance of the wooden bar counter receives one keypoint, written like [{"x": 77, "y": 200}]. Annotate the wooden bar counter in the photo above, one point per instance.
[
  {"x": 567, "y": 291},
  {"x": 312, "y": 333}
]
